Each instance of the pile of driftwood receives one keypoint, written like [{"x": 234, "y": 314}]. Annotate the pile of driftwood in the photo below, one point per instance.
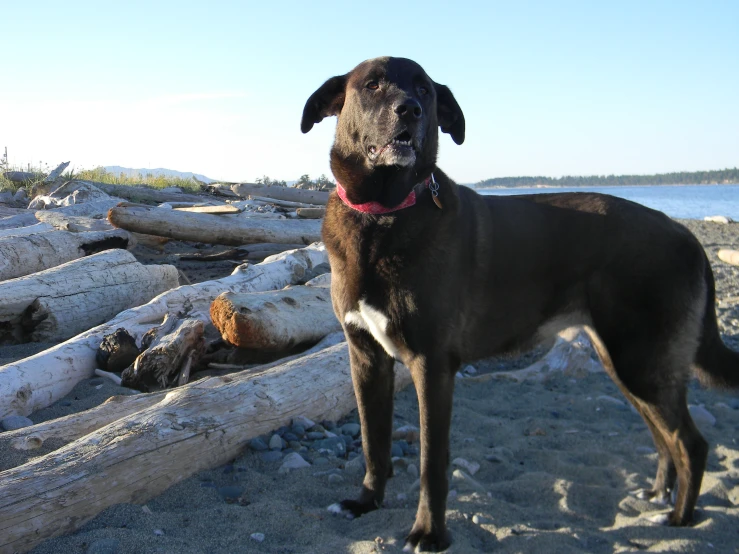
[{"x": 71, "y": 279}]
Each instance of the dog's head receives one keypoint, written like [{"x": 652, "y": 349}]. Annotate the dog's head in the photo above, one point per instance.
[{"x": 386, "y": 137}]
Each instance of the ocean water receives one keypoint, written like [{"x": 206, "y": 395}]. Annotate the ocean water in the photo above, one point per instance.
[{"x": 680, "y": 201}]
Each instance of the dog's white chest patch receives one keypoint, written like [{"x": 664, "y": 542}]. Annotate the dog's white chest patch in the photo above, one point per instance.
[{"x": 374, "y": 322}]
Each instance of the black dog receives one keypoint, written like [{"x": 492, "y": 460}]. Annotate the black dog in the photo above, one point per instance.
[{"x": 432, "y": 274}]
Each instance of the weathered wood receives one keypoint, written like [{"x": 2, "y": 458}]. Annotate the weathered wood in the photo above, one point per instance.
[
  {"x": 290, "y": 194},
  {"x": 117, "y": 351},
  {"x": 23, "y": 255},
  {"x": 729, "y": 256},
  {"x": 146, "y": 194},
  {"x": 21, "y": 219},
  {"x": 283, "y": 203},
  {"x": 250, "y": 252},
  {"x": 58, "y": 303},
  {"x": 276, "y": 320},
  {"x": 28, "y": 230},
  {"x": 68, "y": 194},
  {"x": 198, "y": 426},
  {"x": 222, "y": 209},
  {"x": 56, "y": 173},
  {"x": 25, "y": 385},
  {"x": 22, "y": 177},
  {"x": 73, "y": 223},
  {"x": 311, "y": 213},
  {"x": 161, "y": 365},
  {"x": 225, "y": 229}
]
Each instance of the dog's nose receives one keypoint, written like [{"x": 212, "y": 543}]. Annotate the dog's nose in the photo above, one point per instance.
[{"x": 408, "y": 108}]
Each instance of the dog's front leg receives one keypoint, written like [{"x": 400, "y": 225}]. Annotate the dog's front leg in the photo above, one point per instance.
[
  {"x": 374, "y": 381},
  {"x": 434, "y": 380}
]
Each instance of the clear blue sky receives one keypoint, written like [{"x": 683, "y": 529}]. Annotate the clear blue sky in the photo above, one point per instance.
[{"x": 547, "y": 88}]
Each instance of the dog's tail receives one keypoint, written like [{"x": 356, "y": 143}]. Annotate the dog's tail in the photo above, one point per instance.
[{"x": 718, "y": 365}]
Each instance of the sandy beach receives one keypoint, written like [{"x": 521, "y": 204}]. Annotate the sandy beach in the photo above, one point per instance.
[{"x": 547, "y": 467}]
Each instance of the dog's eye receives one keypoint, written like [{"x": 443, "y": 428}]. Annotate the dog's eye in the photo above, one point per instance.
[
  {"x": 373, "y": 85},
  {"x": 423, "y": 90}
]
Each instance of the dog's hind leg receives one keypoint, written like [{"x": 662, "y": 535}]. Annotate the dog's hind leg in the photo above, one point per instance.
[
  {"x": 433, "y": 377},
  {"x": 374, "y": 382}
]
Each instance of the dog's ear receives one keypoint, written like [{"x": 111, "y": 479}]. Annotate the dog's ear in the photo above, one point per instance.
[
  {"x": 327, "y": 100},
  {"x": 449, "y": 114}
]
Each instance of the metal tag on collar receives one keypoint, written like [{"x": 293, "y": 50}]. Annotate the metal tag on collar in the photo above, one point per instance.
[{"x": 434, "y": 188}]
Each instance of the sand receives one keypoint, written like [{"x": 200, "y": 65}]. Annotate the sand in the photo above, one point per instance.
[{"x": 557, "y": 462}]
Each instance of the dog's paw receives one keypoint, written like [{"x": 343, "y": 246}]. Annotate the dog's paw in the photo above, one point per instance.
[
  {"x": 351, "y": 509},
  {"x": 661, "y": 498},
  {"x": 421, "y": 541},
  {"x": 671, "y": 519}
]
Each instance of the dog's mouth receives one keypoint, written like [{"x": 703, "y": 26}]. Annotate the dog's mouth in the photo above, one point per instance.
[{"x": 400, "y": 150}]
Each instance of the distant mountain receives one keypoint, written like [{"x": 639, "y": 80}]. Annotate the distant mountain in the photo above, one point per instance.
[{"x": 117, "y": 170}]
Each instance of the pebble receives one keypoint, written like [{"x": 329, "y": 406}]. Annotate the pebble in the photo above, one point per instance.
[
  {"x": 478, "y": 519},
  {"x": 13, "y": 422},
  {"x": 351, "y": 429},
  {"x": 259, "y": 537},
  {"x": 303, "y": 422},
  {"x": 292, "y": 461},
  {"x": 459, "y": 475},
  {"x": 611, "y": 400},
  {"x": 412, "y": 470},
  {"x": 469, "y": 370},
  {"x": 159, "y": 532},
  {"x": 298, "y": 430},
  {"x": 104, "y": 546},
  {"x": 401, "y": 497},
  {"x": 701, "y": 416},
  {"x": 271, "y": 456},
  {"x": 314, "y": 436},
  {"x": 396, "y": 451},
  {"x": 470, "y": 467},
  {"x": 258, "y": 444},
  {"x": 96, "y": 381},
  {"x": 335, "y": 479},
  {"x": 355, "y": 466},
  {"x": 275, "y": 443},
  {"x": 333, "y": 445},
  {"x": 230, "y": 493}
]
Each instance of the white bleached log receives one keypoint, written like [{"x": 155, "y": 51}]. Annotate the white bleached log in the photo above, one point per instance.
[
  {"x": 221, "y": 209},
  {"x": 282, "y": 203},
  {"x": 21, "y": 219},
  {"x": 73, "y": 223},
  {"x": 225, "y": 229},
  {"x": 23, "y": 255},
  {"x": 311, "y": 213},
  {"x": 718, "y": 219},
  {"x": 276, "y": 320},
  {"x": 146, "y": 194},
  {"x": 729, "y": 256},
  {"x": 198, "y": 426},
  {"x": 28, "y": 230},
  {"x": 290, "y": 194},
  {"x": 58, "y": 303},
  {"x": 571, "y": 354},
  {"x": 25, "y": 385}
]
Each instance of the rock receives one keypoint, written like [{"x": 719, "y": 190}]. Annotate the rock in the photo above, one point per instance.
[
  {"x": 333, "y": 445},
  {"x": 479, "y": 519},
  {"x": 314, "y": 435},
  {"x": 351, "y": 429},
  {"x": 259, "y": 537},
  {"x": 13, "y": 422},
  {"x": 231, "y": 493},
  {"x": 355, "y": 466},
  {"x": 461, "y": 476},
  {"x": 470, "y": 467},
  {"x": 275, "y": 443},
  {"x": 335, "y": 479},
  {"x": 258, "y": 444},
  {"x": 396, "y": 451},
  {"x": 272, "y": 456},
  {"x": 701, "y": 416},
  {"x": 304, "y": 422},
  {"x": 469, "y": 370},
  {"x": 159, "y": 532},
  {"x": 412, "y": 470},
  {"x": 292, "y": 461},
  {"x": 298, "y": 431},
  {"x": 499, "y": 455}
]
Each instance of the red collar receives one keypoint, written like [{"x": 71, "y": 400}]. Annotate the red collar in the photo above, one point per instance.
[{"x": 377, "y": 208}]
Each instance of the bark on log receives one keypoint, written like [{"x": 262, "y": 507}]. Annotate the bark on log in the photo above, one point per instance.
[
  {"x": 29, "y": 254},
  {"x": 276, "y": 320},
  {"x": 290, "y": 194},
  {"x": 160, "y": 366},
  {"x": 60, "y": 302},
  {"x": 40, "y": 380},
  {"x": 229, "y": 230},
  {"x": 729, "y": 256},
  {"x": 195, "y": 427}
]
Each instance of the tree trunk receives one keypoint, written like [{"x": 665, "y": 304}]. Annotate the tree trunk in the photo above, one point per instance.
[
  {"x": 198, "y": 426},
  {"x": 159, "y": 366},
  {"x": 40, "y": 380},
  {"x": 24, "y": 255},
  {"x": 274, "y": 321},
  {"x": 290, "y": 194},
  {"x": 213, "y": 229},
  {"x": 71, "y": 298}
]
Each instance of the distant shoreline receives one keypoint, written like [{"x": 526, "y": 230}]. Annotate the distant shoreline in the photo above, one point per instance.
[{"x": 509, "y": 187}]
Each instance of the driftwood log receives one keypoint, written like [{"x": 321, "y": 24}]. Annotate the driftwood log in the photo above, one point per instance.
[
  {"x": 729, "y": 256},
  {"x": 58, "y": 303},
  {"x": 40, "y": 380},
  {"x": 74, "y": 223},
  {"x": 168, "y": 359},
  {"x": 28, "y": 230},
  {"x": 24, "y": 255},
  {"x": 290, "y": 194},
  {"x": 275, "y": 320},
  {"x": 198, "y": 426},
  {"x": 213, "y": 229},
  {"x": 311, "y": 213},
  {"x": 20, "y": 219},
  {"x": 220, "y": 209},
  {"x": 145, "y": 194}
]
